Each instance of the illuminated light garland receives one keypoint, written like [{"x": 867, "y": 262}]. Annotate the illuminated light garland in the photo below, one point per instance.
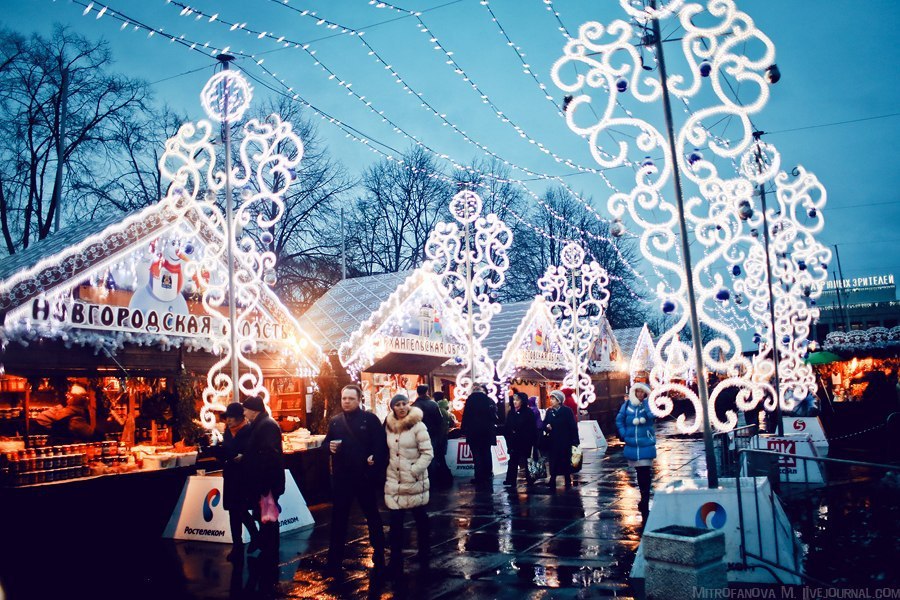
[
  {"x": 349, "y": 132},
  {"x": 268, "y": 154},
  {"x": 470, "y": 256},
  {"x": 718, "y": 215},
  {"x": 577, "y": 294}
]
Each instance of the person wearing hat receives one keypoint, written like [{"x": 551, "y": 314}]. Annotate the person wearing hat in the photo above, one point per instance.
[
  {"x": 635, "y": 424},
  {"x": 69, "y": 423},
  {"x": 263, "y": 468},
  {"x": 407, "y": 484},
  {"x": 358, "y": 448},
  {"x": 235, "y": 497},
  {"x": 562, "y": 435}
]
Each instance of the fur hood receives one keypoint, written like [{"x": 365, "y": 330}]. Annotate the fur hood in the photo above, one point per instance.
[
  {"x": 395, "y": 425},
  {"x": 638, "y": 386}
]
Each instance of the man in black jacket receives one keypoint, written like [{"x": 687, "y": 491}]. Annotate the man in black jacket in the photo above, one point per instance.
[
  {"x": 263, "y": 467},
  {"x": 434, "y": 423},
  {"x": 479, "y": 425},
  {"x": 358, "y": 446}
]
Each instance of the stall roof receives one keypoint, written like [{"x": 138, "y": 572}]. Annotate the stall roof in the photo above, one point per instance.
[
  {"x": 334, "y": 317},
  {"x": 63, "y": 260},
  {"x": 628, "y": 339},
  {"x": 864, "y": 340},
  {"x": 504, "y": 326}
]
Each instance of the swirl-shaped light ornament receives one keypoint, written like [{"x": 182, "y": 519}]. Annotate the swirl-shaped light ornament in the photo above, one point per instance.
[
  {"x": 269, "y": 152},
  {"x": 470, "y": 256},
  {"x": 719, "y": 208},
  {"x": 577, "y": 293}
]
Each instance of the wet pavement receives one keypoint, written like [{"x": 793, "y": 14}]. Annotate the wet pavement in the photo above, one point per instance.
[{"x": 523, "y": 543}]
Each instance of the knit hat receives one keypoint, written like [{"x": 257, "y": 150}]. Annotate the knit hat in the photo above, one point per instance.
[
  {"x": 255, "y": 403},
  {"x": 398, "y": 398},
  {"x": 558, "y": 395},
  {"x": 235, "y": 410}
]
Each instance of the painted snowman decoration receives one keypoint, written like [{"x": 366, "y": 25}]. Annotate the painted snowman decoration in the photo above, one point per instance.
[{"x": 160, "y": 283}]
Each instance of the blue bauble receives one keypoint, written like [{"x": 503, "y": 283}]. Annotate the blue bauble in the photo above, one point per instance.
[
  {"x": 695, "y": 156},
  {"x": 705, "y": 68},
  {"x": 266, "y": 238},
  {"x": 812, "y": 213},
  {"x": 801, "y": 264},
  {"x": 621, "y": 84},
  {"x": 736, "y": 270},
  {"x": 723, "y": 294},
  {"x": 648, "y": 162},
  {"x": 757, "y": 338},
  {"x": 786, "y": 340},
  {"x": 668, "y": 306}
]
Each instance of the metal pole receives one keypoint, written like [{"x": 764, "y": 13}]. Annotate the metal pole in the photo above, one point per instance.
[
  {"x": 845, "y": 313},
  {"x": 60, "y": 145},
  {"x": 469, "y": 293},
  {"x": 576, "y": 347},
  {"x": 773, "y": 337},
  {"x": 343, "y": 249},
  {"x": 711, "y": 471},
  {"x": 229, "y": 229}
]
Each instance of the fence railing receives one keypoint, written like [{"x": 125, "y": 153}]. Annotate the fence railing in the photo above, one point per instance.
[
  {"x": 769, "y": 463},
  {"x": 728, "y": 444}
]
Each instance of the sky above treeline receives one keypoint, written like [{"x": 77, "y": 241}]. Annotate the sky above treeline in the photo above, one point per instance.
[{"x": 836, "y": 109}]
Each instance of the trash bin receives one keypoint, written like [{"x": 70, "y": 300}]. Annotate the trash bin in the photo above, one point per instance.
[{"x": 682, "y": 561}]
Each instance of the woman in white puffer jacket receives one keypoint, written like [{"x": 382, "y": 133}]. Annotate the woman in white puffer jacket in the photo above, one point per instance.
[{"x": 406, "y": 486}]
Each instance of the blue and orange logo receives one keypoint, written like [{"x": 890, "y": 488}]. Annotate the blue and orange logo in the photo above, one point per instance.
[
  {"x": 711, "y": 515},
  {"x": 212, "y": 499}
]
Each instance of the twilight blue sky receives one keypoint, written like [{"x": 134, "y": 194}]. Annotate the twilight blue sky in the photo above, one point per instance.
[{"x": 836, "y": 56}]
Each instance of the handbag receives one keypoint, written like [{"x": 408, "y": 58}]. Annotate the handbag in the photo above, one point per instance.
[
  {"x": 268, "y": 509},
  {"x": 577, "y": 457},
  {"x": 537, "y": 466}
]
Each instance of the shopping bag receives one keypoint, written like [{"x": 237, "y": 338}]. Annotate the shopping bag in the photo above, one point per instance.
[
  {"x": 577, "y": 457},
  {"x": 268, "y": 509}
]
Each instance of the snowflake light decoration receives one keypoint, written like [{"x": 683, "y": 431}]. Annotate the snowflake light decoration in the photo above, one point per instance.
[
  {"x": 720, "y": 207},
  {"x": 470, "y": 256},
  {"x": 577, "y": 293},
  {"x": 268, "y": 154}
]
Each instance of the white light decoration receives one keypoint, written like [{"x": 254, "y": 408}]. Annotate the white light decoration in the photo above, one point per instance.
[
  {"x": 471, "y": 258},
  {"x": 524, "y": 350},
  {"x": 268, "y": 154},
  {"x": 720, "y": 209},
  {"x": 577, "y": 293},
  {"x": 226, "y": 96}
]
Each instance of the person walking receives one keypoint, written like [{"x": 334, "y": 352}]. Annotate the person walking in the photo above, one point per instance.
[
  {"x": 358, "y": 448},
  {"x": 562, "y": 435},
  {"x": 479, "y": 425},
  {"x": 521, "y": 434},
  {"x": 635, "y": 424},
  {"x": 263, "y": 469},
  {"x": 235, "y": 497},
  {"x": 406, "y": 486},
  {"x": 434, "y": 422}
]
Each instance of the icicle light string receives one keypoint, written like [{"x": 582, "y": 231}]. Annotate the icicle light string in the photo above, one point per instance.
[
  {"x": 365, "y": 140},
  {"x": 332, "y": 76}
]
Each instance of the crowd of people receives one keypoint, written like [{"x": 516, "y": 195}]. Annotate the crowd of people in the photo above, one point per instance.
[{"x": 399, "y": 462}]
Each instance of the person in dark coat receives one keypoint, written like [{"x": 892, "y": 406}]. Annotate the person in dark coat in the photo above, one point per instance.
[
  {"x": 434, "y": 423},
  {"x": 357, "y": 443},
  {"x": 479, "y": 425},
  {"x": 263, "y": 467},
  {"x": 521, "y": 434},
  {"x": 235, "y": 498},
  {"x": 562, "y": 435},
  {"x": 69, "y": 423},
  {"x": 538, "y": 421}
]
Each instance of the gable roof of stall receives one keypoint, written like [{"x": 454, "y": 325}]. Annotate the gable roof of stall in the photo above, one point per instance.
[
  {"x": 334, "y": 317},
  {"x": 62, "y": 261},
  {"x": 504, "y": 326},
  {"x": 628, "y": 339}
]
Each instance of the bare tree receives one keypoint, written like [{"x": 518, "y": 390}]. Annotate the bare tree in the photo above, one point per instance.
[
  {"x": 401, "y": 202},
  {"x": 30, "y": 114}
]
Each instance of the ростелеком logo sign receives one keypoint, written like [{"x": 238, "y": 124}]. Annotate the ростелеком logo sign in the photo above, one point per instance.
[
  {"x": 711, "y": 515},
  {"x": 799, "y": 425},
  {"x": 212, "y": 499}
]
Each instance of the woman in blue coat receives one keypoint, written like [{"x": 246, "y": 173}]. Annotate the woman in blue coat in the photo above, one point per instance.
[{"x": 636, "y": 425}]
